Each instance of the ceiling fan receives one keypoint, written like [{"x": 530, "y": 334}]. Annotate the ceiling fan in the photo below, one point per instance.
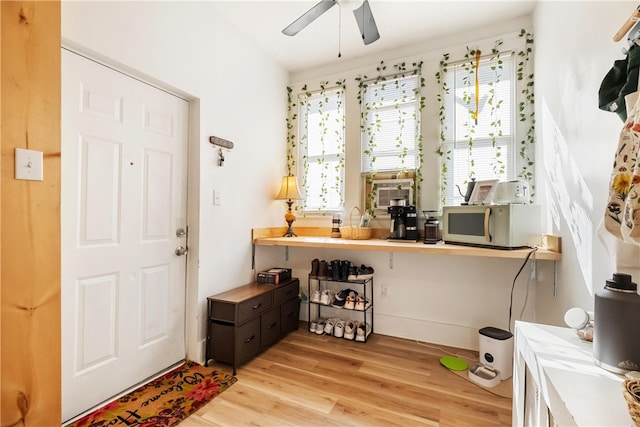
[{"x": 361, "y": 11}]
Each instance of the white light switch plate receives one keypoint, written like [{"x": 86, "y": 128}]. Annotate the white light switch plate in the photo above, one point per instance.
[{"x": 28, "y": 164}]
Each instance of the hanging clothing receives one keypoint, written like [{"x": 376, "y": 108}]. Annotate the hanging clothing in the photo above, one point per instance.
[
  {"x": 622, "y": 217},
  {"x": 620, "y": 81}
]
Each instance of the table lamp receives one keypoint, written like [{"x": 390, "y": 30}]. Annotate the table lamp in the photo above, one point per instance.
[{"x": 289, "y": 191}]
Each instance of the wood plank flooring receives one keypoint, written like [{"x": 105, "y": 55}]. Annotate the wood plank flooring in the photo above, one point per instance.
[{"x": 316, "y": 380}]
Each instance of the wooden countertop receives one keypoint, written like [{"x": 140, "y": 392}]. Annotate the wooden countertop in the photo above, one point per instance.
[{"x": 267, "y": 237}]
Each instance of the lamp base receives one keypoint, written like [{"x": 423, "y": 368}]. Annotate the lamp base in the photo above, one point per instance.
[{"x": 290, "y": 232}]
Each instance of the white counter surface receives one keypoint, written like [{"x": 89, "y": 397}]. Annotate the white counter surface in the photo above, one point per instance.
[{"x": 574, "y": 388}]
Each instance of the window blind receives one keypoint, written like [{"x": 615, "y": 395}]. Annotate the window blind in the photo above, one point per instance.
[
  {"x": 391, "y": 124},
  {"x": 321, "y": 153},
  {"x": 486, "y": 149}
]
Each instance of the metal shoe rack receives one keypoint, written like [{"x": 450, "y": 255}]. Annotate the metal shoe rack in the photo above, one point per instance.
[{"x": 366, "y": 285}]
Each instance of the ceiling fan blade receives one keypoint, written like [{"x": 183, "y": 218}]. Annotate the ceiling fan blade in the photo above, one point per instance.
[
  {"x": 366, "y": 23},
  {"x": 308, "y": 17}
]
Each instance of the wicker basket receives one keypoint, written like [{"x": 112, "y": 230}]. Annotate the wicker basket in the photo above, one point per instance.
[
  {"x": 355, "y": 233},
  {"x": 631, "y": 390}
]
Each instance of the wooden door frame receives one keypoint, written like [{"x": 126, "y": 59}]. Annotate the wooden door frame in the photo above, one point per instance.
[{"x": 30, "y": 111}]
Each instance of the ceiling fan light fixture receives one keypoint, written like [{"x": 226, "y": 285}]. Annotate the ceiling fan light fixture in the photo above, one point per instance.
[
  {"x": 350, "y": 5},
  {"x": 361, "y": 11}
]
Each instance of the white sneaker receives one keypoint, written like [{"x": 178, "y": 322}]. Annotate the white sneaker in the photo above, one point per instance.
[
  {"x": 327, "y": 297},
  {"x": 316, "y": 296},
  {"x": 320, "y": 327},
  {"x": 362, "y": 303},
  {"x": 350, "y": 329},
  {"x": 350, "y": 302},
  {"x": 362, "y": 331},
  {"x": 312, "y": 326},
  {"x": 338, "y": 328},
  {"x": 328, "y": 327}
]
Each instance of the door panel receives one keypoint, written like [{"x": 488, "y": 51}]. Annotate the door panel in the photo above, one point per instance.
[{"x": 124, "y": 146}]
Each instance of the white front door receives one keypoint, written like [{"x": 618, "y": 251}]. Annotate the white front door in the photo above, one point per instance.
[{"x": 124, "y": 196}]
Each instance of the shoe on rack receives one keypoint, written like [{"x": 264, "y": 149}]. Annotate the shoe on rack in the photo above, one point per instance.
[
  {"x": 327, "y": 297},
  {"x": 350, "y": 329},
  {"x": 361, "y": 273},
  {"x": 353, "y": 273},
  {"x": 315, "y": 297},
  {"x": 362, "y": 303},
  {"x": 365, "y": 272},
  {"x": 315, "y": 268},
  {"x": 335, "y": 270},
  {"x": 329, "y": 326},
  {"x": 344, "y": 270},
  {"x": 338, "y": 328},
  {"x": 340, "y": 298},
  {"x": 363, "y": 330},
  {"x": 320, "y": 327},
  {"x": 312, "y": 326},
  {"x": 350, "y": 302},
  {"x": 323, "y": 270}
]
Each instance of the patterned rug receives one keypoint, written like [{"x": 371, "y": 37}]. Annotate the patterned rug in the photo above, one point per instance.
[{"x": 164, "y": 401}]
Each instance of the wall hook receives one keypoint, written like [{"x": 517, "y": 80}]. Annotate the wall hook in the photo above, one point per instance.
[{"x": 222, "y": 143}]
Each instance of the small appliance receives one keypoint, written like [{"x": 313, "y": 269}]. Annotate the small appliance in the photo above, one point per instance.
[
  {"x": 496, "y": 350},
  {"x": 467, "y": 195},
  {"x": 516, "y": 191},
  {"x": 432, "y": 233},
  {"x": 404, "y": 223},
  {"x": 496, "y": 357},
  {"x": 616, "y": 347},
  {"x": 493, "y": 226}
]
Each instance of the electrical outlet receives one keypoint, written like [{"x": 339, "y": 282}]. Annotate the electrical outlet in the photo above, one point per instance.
[{"x": 384, "y": 291}]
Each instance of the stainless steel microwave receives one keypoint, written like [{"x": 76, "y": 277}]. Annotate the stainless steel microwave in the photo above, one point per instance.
[{"x": 509, "y": 226}]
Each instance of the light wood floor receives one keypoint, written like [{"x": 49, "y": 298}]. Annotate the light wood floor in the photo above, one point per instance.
[{"x": 314, "y": 380}]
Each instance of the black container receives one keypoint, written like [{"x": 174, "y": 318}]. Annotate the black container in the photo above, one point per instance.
[
  {"x": 432, "y": 232},
  {"x": 616, "y": 336},
  {"x": 404, "y": 223}
]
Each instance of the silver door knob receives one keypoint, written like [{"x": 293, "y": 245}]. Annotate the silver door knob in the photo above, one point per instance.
[{"x": 181, "y": 250}]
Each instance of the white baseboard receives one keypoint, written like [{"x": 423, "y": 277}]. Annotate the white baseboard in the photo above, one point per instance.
[{"x": 427, "y": 331}]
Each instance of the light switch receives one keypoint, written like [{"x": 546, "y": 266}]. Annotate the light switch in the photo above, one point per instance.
[
  {"x": 28, "y": 164},
  {"x": 217, "y": 198}
]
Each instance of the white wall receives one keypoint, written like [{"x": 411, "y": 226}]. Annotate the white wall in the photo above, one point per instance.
[
  {"x": 573, "y": 52},
  {"x": 237, "y": 93}
]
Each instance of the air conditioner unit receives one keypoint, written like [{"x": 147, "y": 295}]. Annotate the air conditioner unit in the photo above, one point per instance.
[{"x": 385, "y": 190}]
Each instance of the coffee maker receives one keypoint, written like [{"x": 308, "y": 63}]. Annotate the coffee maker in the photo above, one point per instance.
[{"x": 404, "y": 222}]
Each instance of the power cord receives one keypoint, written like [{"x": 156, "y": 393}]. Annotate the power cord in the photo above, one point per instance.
[{"x": 513, "y": 285}]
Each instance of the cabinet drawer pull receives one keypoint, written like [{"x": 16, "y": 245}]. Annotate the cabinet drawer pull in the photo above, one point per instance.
[
  {"x": 257, "y": 306},
  {"x": 250, "y": 338},
  {"x": 272, "y": 325}
]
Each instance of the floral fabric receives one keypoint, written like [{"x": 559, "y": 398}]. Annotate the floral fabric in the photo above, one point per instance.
[{"x": 622, "y": 218}]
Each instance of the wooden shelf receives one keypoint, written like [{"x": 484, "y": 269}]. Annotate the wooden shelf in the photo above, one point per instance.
[{"x": 265, "y": 237}]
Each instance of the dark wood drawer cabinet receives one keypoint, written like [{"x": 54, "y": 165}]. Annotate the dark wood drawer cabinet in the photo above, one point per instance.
[{"x": 246, "y": 320}]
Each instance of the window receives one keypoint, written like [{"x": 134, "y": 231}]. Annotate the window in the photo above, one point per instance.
[
  {"x": 482, "y": 148},
  {"x": 321, "y": 152},
  {"x": 391, "y": 124}
]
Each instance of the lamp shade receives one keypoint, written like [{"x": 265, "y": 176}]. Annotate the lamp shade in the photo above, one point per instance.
[{"x": 289, "y": 189}]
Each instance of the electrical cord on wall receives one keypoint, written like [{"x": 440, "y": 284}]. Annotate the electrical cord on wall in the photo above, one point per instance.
[{"x": 513, "y": 285}]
